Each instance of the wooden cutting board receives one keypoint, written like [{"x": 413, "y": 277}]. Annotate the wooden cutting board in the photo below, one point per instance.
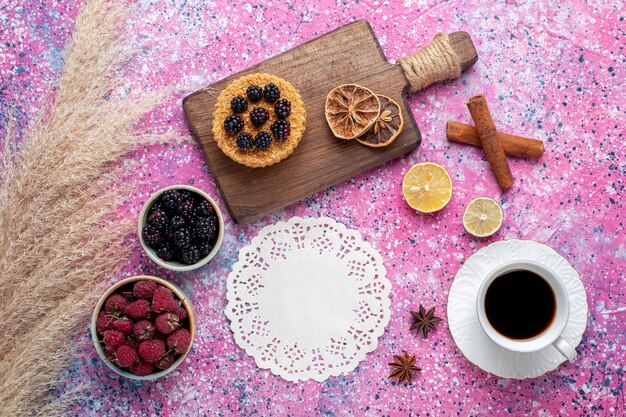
[{"x": 349, "y": 54}]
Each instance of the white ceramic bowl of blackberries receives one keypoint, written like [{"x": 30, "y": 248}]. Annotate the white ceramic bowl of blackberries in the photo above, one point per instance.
[{"x": 181, "y": 228}]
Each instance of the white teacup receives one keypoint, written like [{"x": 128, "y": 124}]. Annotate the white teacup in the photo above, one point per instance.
[{"x": 552, "y": 334}]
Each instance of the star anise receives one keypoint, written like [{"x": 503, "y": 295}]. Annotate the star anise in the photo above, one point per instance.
[
  {"x": 404, "y": 367},
  {"x": 424, "y": 321}
]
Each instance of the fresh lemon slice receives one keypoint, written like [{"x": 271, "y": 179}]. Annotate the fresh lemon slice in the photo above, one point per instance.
[
  {"x": 427, "y": 187},
  {"x": 483, "y": 217}
]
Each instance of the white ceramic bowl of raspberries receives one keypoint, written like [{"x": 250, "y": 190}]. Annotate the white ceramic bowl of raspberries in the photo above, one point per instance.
[
  {"x": 181, "y": 228},
  {"x": 143, "y": 327}
]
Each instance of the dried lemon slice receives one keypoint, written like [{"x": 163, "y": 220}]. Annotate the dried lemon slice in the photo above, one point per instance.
[
  {"x": 387, "y": 127},
  {"x": 351, "y": 110},
  {"x": 427, "y": 187},
  {"x": 483, "y": 217}
]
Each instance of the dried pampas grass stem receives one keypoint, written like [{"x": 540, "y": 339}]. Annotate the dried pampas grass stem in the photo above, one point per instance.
[{"x": 59, "y": 240}]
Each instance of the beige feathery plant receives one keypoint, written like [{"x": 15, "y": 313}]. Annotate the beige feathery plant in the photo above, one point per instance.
[{"x": 58, "y": 240}]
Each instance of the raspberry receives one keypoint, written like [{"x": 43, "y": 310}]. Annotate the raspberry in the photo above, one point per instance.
[
  {"x": 130, "y": 341},
  {"x": 115, "y": 304},
  {"x": 166, "y": 252},
  {"x": 190, "y": 255},
  {"x": 141, "y": 368},
  {"x": 128, "y": 295},
  {"x": 204, "y": 209},
  {"x": 262, "y": 140},
  {"x": 185, "y": 208},
  {"x": 158, "y": 219},
  {"x": 143, "y": 330},
  {"x": 182, "y": 238},
  {"x": 166, "y": 361},
  {"x": 124, "y": 325},
  {"x": 281, "y": 130},
  {"x": 170, "y": 199},
  {"x": 179, "y": 340},
  {"x": 259, "y": 115},
  {"x": 233, "y": 124},
  {"x": 254, "y": 93},
  {"x": 113, "y": 339},
  {"x": 271, "y": 92},
  {"x": 166, "y": 323},
  {"x": 125, "y": 356},
  {"x": 144, "y": 290},
  {"x": 104, "y": 322},
  {"x": 282, "y": 108},
  {"x": 239, "y": 104},
  {"x": 152, "y": 236},
  {"x": 139, "y": 309},
  {"x": 151, "y": 350},
  {"x": 163, "y": 300},
  {"x": 245, "y": 141},
  {"x": 181, "y": 312}
]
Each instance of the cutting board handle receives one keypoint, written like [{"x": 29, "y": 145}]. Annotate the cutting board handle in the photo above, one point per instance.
[{"x": 444, "y": 58}]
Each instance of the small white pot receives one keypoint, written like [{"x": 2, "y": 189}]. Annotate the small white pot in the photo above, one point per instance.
[{"x": 172, "y": 265}]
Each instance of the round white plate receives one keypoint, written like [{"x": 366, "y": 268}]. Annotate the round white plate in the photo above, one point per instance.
[{"x": 469, "y": 335}]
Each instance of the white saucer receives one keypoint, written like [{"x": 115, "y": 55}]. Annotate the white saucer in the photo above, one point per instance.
[{"x": 469, "y": 335}]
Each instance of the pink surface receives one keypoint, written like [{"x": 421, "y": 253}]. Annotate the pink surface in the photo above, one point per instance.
[{"x": 555, "y": 73}]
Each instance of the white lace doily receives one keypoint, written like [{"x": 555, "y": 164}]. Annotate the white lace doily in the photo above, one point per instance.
[{"x": 308, "y": 298}]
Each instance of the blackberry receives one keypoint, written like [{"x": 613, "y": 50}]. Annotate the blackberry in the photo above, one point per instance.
[
  {"x": 282, "y": 108},
  {"x": 245, "y": 141},
  {"x": 157, "y": 205},
  {"x": 233, "y": 124},
  {"x": 205, "y": 248},
  {"x": 182, "y": 238},
  {"x": 176, "y": 222},
  {"x": 190, "y": 255},
  {"x": 281, "y": 129},
  {"x": 205, "y": 229},
  {"x": 185, "y": 208},
  {"x": 168, "y": 234},
  {"x": 152, "y": 236},
  {"x": 254, "y": 93},
  {"x": 166, "y": 252},
  {"x": 158, "y": 219},
  {"x": 259, "y": 115},
  {"x": 170, "y": 199},
  {"x": 204, "y": 209},
  {"x": 262, "y": 140},
  {"x": 239, "y": 104},
  {"x": 186, "y": 194},
  {"x": 271, "y": 92}
]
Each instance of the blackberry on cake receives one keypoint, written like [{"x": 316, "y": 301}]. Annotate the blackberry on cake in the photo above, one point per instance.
[
  {"x": 245, "y": 141},
  {"x": 239, "y": 104},
  {"x": 271, "y": 92},
  {"x": 262, "y": 140},
  {"x": 233, "y": 124},
  {"x": 254, "y": 93},
  {"x": 259, "y": 116},
  {"x": 281, "y": 130},
  {"x": 282, "y": 108}
]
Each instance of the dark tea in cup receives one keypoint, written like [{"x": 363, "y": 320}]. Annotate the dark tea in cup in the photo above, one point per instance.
[
  {"x": 520, "y": 304},
  {"x": 523, "y": 306}
]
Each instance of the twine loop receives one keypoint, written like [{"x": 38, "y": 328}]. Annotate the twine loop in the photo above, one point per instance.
[{"x": 434, "y": 62}]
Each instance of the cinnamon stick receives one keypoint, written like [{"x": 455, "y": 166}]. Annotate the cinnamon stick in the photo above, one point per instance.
[
  {"x": 487, "y": 134},
  {"x": 511, "y": 144}
]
